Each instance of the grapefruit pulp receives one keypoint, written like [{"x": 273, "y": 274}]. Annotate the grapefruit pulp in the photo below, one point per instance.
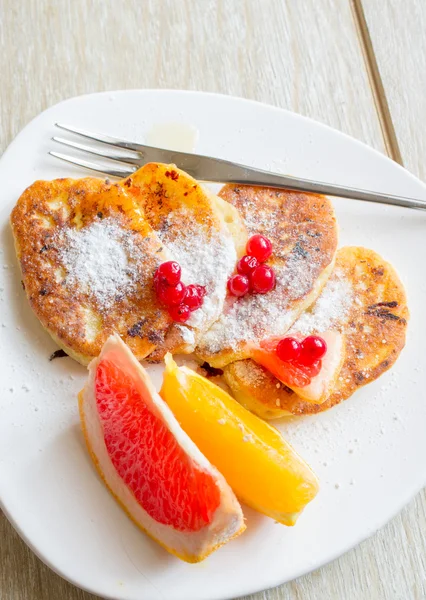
[
  {"x": 311, "y": 384},
  {"x": 149, "y": 464}
]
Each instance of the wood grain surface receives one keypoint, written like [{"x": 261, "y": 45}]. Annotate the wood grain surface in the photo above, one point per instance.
[
  {"x": 398, "y": 34},
  {"x": 304, "y": 55}
]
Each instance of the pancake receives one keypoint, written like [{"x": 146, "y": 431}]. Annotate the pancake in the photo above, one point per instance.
[
  {"x": 201, "y": 232},
  {"x": 303, "y": 231},
  {"x": 88, "y": 250},
  {"x": 365, "y": 300}
]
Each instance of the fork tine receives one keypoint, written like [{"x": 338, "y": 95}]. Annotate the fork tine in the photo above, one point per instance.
[
  {"x": 100, "y": 137},
  {"x": 124, "y": 155},
  {"x": 115, "y": 172}
]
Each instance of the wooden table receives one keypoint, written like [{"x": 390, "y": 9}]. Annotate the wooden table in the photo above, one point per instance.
[{"x": 358, "y": 65}]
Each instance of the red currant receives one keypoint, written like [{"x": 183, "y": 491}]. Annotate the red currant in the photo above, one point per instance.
[
  {"x": 262, "y": 279},
  {"x": 313, "y": 348},
  {"x": 288, "y": 349},
  {"x": 171, "y": 295},
  {"x": 238, "y": 285},
  {"x": 311, "y": 370},
  {"x": 246, "y": 264},
  {"x": 168, "y": 272},
  {"x": 180, "y": 313},
  {"x": 260, "y": 247},
  {"x": 193, "y": 297},
  {"x": 201, "y": 290}
]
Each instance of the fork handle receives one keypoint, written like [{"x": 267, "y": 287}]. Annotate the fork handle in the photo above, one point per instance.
[
  {"x": 224, "y": 171},
  {"x": 250, "y": 176}
]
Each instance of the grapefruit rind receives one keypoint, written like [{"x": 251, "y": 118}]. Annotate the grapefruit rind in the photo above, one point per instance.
[{"x": 192, "y": 547}]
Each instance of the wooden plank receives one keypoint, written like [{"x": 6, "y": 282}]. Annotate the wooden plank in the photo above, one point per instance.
[
  {"x": 298, "y": 55},
  {"x": 397, "y": 32},
  {"x": 303, "y": 56}
]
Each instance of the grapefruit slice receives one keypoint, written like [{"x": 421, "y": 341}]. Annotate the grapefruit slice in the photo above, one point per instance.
[
  {"x": 261, "y": 467},
  {"x": 149, "y": 464},
  {"x": 309, "y": 384}
]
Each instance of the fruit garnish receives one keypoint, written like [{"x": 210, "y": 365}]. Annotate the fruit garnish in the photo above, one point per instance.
[
  {"x": 246, "y": 264},
  {"x": 180, "y": 313},
  {"x": 288, "y": 349},
  {"x": 313, "y": 348},
  {"x": 257, "y": 278},
  {"x": 194, "y": 296},
  {"x": 312, "y": 382},
  {"x": 181, "y": 300},
  {"x": 149, "y": 464},
  {"x": 238, "y": 285},
  {"x": 168, "y": 272},
  {"x": 262, "y": 279},
  {"x": 261, "y": 467},
  {"x": 260, "y": 247},
  {"x": 171, "y": 295}
]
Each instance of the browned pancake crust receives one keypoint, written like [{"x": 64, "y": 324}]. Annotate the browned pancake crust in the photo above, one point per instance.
[
  {"x": 303, "y": 231},
  {"x": 141, "y": 205},
  {"x": 47, "y": 208},
  {"x": 375, "y": 331}
]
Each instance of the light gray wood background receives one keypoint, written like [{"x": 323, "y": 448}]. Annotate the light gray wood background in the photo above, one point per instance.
[{"x": 305, "y": 55}]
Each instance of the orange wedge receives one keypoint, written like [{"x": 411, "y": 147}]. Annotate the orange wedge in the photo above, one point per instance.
[{"x": 260, "y": 466}]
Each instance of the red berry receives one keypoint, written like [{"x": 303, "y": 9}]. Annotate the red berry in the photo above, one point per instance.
[
  {"x": 171, "y": 295},
  {"x": 246, "y": 264},
  {"x": 313, "y": 348},
  {"x": 260, "y": 247},
  {"x": 288, "y": 349},
  {"x": 201, "y": 290},
  {"x": 168, "y": 272},
  {"x": 311, "y": 370},
  {"x": 262, "y": 279},
  {"x": 193, "y": 297},
  {"x": 180, "y": 313},
  {"x": 238, "y": 285}
]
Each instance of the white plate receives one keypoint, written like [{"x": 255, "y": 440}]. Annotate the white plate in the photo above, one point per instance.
[{"x": 368, "y": 452}]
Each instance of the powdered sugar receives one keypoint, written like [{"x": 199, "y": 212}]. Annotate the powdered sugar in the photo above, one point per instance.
[
  {"x": 330, "y": 309},
  {"x": 256, "y": 317},
  {"x": 206, "y": 258},
  {"x": 96, "y": 259}
]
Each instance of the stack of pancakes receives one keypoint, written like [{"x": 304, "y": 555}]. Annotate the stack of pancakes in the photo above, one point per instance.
[{"x": 88, "y": 250}]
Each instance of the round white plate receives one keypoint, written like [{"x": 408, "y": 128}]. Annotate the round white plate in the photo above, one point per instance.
[{"x": 368, "y": 452}]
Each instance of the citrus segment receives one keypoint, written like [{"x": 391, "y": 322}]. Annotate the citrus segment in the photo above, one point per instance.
[
  {"x": 313, "y": 383},
  {"x": 164, "y": 479},
  {"x": 261, "y": 467},
  {"x": 150, "y": 465}
]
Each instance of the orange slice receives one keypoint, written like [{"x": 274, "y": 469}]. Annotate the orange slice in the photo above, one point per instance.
[
  {"x": 149, "y": 463},
  {"x": 313, "y": 387},
  {"x": 261, "y": 467}
]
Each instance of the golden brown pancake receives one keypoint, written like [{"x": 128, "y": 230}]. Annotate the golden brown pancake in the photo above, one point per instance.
[
  {"x": 363, "y": 299},
  {"x": 303, "y": 231},
  {"x": 88, "y": 250},
  {"x": 198, "y": 230}
]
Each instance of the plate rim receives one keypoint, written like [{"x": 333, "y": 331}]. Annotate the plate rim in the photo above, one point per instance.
[{"x": 410, "y": 493}]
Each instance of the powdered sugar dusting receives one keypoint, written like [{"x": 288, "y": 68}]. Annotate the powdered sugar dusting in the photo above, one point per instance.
[
  {"x": 96, "y": 259},
  {"x": 256, "y": 317},
  {"x": 330, "y": 309},
  {"x": 204, "y": 261}
]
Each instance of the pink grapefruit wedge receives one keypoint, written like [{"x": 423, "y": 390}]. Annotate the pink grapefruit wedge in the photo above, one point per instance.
[
  {"x": 149, "y": 464},
  {"x": 311, "y": 386}
]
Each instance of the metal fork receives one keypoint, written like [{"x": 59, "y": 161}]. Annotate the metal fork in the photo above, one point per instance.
[{"x": 129, "y": 157}]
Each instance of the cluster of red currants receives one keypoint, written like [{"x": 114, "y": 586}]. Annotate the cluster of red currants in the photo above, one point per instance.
[
  {"x": 252, "y": 275},
  {"x": 305, "y": 353},
  {"x": 180, "y": 299}
]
